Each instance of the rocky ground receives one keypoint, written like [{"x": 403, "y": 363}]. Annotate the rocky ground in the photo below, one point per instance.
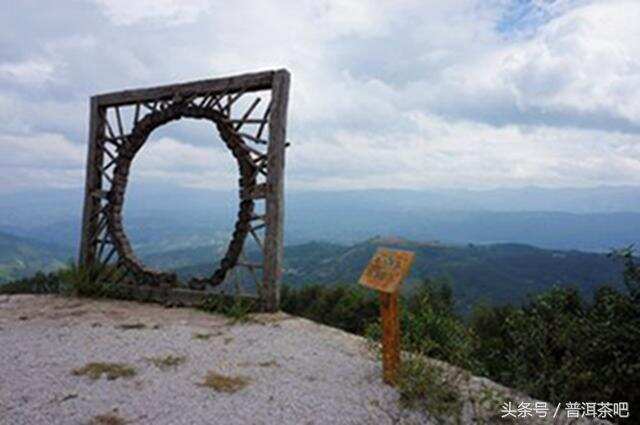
[{"x": 154, "y": 365}]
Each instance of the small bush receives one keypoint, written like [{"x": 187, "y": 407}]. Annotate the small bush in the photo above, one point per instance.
[
  {"x": 94, "y": 281},
  {"x": 238, "y": 309},
  {"x": 430, "y": 326},
  {"x": 351, "y": 308},
  {"x": 558, "y": 347},
  {"x": 425, "y": 387},
  {"x": 40, "y": 283}
]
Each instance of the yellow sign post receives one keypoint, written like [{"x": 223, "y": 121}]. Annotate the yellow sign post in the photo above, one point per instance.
[{"x": 384, "y": 273}]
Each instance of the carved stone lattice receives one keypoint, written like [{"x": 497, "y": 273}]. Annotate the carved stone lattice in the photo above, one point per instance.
[{"x": 120, "y": 124}]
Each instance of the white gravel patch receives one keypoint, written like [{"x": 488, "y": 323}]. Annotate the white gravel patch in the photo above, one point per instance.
[{"x": 299, "y": 372}]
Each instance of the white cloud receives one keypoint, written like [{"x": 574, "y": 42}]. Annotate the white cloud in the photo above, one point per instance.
[
  {"x": 42, "y": 150},
  {"x": 582, "y": 61},
  {"x": 40, "y": 160},
  {"x": 166, "y": 160},
  {"x": 165, "y": 12},
  {"x": 385, "y": 93},
  {"x": 32, "y": 71},
  {"x": 459, "y": 154}
]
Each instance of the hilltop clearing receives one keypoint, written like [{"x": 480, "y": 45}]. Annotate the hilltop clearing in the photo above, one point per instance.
[{"x": 64, "y": 360}]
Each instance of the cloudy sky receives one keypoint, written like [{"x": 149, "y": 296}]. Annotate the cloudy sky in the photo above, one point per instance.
[{"x": 395, "y": 94}]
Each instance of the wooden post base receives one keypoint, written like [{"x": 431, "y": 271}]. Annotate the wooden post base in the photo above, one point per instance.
[{"x": 390, "y": 337}]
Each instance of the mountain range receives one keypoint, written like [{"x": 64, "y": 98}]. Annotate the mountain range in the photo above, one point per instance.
[
  {"x": 160, "y": 219},
  {"x": 499, "y": 244},
  {"x": 21, "y": 257},
  {"x": 496, "y": 273}
]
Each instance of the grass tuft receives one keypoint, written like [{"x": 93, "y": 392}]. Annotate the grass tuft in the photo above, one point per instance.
[
  {"x": 107, "y": 419},
  {"x": 225, "y": 384},
  {"x": 112, "y": 370},
  {"x": 167, "y": 362},
  {"x": 204, "y": 336},
  {"x": 90, "y": 281},
  {"x": 237, "y": 309},
  {"x": 129, "y": 326}
]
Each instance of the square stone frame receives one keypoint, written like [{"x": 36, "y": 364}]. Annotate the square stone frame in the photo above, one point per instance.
[{"x": 97, "y": 245}]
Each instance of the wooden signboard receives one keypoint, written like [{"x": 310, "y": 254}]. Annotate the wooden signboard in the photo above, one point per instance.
[
  {"x": 387, "y": 269},
  {"x": 384, "y": 273}
]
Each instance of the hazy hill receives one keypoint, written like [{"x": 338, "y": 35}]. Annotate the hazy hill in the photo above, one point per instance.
[
  {"x": 20, "y": 257},
  {"x": 161, "y": 219},
  {"x": 497, "y": 273}
]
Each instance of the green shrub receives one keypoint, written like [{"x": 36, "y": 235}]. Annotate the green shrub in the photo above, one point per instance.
[
  {"x": 559, "y": 348},
  {"x": 430, "y": 326},
  {"x": 424, "y": 386},
  {"x": 351, "y": 308},
  {"x": 555, "y": 347},
  {"x": 236, "y": 308},
  {"x": 40, "y": 283},
  {"x": 95, "y": 281}
]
